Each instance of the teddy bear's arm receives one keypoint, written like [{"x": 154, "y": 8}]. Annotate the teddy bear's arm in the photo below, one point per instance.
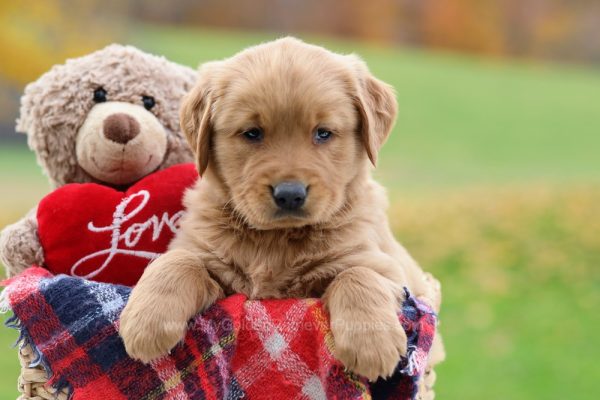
[{"x": 20, "y": 245}]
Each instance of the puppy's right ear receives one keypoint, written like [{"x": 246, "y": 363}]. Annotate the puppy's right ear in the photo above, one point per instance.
[{"x": 195, "y": 116}]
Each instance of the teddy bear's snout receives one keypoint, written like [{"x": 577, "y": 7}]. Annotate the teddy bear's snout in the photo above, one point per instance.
[
  {"x": 120, "y": 127},
  {"x": 120, "y": 142}
]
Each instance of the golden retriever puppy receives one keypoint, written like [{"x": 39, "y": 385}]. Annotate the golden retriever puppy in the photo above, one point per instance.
[{"x": 284, "y": 134}]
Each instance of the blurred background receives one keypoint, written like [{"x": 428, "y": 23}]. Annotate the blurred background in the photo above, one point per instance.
[{"x": 493, "y": 168}]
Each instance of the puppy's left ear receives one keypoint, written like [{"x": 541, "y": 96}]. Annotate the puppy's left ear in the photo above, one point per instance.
[
  {"x": 376, "y": 102},
  {"x": 195, "y": 115}
]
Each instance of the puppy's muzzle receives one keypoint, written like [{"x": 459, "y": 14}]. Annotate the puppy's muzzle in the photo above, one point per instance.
[{"x": 290, "y": 196}]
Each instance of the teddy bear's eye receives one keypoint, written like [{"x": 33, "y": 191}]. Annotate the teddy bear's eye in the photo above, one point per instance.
[
  {"x": 99, "y": 95},
  {"x": 148, "y": 102}
]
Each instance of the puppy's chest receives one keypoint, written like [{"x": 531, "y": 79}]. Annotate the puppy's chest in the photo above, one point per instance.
[
  {"x": 291, "y": 281},
  {"x": 266, "y": 272}
]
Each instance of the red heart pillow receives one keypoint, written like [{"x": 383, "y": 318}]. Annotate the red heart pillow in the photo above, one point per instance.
[{"x": 99, "y": 233}]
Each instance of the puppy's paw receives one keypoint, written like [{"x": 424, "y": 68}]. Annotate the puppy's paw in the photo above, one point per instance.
[
  {"x": 150, "y": 331},
  {"x": 370, "y": 345}
]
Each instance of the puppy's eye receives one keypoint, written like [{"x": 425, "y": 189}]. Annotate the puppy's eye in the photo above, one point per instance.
[
  {"x": 148, "y": 102},
  {"x": 322, "y": 135},
  {"x": 99, "y": 95},
  {"x": 253, "y": 134}
]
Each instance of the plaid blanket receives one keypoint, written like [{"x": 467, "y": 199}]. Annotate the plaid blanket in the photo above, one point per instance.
[{"x": 270, "y": 349}]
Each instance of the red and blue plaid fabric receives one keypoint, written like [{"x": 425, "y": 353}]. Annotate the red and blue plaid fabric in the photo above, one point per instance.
[{"x": 270, "y": 349}]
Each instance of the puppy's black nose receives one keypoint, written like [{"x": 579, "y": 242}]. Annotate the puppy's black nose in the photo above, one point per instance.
[{"x": 289, "y": 195}]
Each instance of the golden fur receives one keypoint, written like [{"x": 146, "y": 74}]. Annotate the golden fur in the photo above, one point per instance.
[{"x": 232, "y": 239}]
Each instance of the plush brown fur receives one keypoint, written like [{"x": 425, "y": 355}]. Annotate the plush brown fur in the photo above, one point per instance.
[
  {"x": 66, "y": 129},
  {"x": 232, "y": 239}
]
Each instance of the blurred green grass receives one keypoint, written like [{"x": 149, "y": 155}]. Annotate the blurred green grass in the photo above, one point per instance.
[
  {"x": 521, "y": 285},
  {"x": 495, "y": 181}
]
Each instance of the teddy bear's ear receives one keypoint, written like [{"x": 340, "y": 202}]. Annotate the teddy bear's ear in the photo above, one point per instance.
[
  {"x": 195, "y": 116},
  {"x": 376, "y": 102}
]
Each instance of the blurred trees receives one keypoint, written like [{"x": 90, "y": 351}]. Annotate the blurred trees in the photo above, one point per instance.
[
  {"x": 567, "y": 30},
  {"x": 34, "y": 35},
  {"x": 553, "y": 29}
]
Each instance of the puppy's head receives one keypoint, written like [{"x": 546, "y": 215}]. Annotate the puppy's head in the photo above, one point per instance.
[{"x": 287, "y": 127}]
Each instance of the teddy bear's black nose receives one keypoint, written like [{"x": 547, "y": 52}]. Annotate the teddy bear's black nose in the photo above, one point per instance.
[{"x": 120, "y": 128}]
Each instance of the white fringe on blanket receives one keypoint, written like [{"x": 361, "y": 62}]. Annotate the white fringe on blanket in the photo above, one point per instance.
[{"x": 4, "y": 304}]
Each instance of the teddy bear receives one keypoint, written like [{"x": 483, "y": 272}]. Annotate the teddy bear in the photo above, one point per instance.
[{"x": 110, "y": 118}]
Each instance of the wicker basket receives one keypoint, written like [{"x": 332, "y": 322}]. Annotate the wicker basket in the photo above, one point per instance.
[
  {"x": 426, "y": 391},
  {"x": 32, "y": 381}
]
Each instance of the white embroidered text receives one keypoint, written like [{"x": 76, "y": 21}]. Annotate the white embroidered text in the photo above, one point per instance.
[{"x": 123, "y": 242}]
